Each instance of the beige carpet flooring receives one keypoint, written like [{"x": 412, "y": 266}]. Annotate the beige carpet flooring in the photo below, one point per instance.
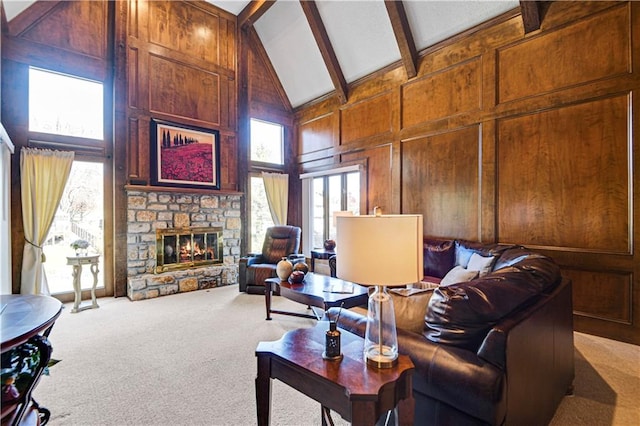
[{"x": 188, "y": 359}]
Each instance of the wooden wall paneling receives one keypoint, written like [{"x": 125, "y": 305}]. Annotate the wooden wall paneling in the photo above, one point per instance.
[
  {"x": 185, "y": 27},
  {"x": 441, "y": 181},
  {"x": 134, "y": 88},
  {"x": 88, "y": 19},
  {"x": 563, "y": 177},
  {"x": 445, "y": 93},
  {"x": 133, "y": 154},
  {"x": 319, "y": 133},
  {"x": 367, "y": 118},
  {"x": 487, "y": 207},
  {"x": 228, "y": 165},
  {"x": 572, "y": 55},
  {"x": 379, "y": 177},
  {"x": 602, "y": 295},
  {"x": 183, "y": 91}
]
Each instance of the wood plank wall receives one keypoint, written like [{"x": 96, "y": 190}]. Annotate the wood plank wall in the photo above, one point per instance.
[
  {"x": 509, "y": 138},
  {"x": 170, "y": 60}
]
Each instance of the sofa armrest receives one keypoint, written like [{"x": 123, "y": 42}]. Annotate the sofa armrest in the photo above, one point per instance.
[{"x": 453, "y": 375}]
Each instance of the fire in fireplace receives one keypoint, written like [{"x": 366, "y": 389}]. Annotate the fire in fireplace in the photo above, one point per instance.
[{"x": 182, "y": 248}]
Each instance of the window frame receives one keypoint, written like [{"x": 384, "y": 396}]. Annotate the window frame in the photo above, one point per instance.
[{"x": 307, "y": 198}]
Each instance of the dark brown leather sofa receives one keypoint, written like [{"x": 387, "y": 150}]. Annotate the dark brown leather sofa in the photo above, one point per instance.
[{"x": 496, "y": 350}]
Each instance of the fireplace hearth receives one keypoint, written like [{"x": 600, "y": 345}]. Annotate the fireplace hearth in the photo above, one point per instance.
[{"x": 183, "y": 248}]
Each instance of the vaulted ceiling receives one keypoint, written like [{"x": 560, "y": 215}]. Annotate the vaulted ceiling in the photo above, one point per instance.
[{"x": 318, "y": 47}]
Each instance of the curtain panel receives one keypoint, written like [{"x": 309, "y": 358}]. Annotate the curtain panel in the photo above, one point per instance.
[
  {"x": 43, "y": 175},
  {"x": 276, "y": 186}
]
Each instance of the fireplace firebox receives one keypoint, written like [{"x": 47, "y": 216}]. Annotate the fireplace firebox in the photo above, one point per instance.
[{"x": 183, "y": 248}]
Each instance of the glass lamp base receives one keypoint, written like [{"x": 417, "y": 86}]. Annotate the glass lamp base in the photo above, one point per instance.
[{"x": 386, "y": 359}]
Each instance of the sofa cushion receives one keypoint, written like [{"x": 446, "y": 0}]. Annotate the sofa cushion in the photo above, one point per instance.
[
  {"x": 482, "y": 264},
  {"x": 410, "y": 307},
  {"x": 438, "y": 257},
  {"x": 458, "y": 275}
]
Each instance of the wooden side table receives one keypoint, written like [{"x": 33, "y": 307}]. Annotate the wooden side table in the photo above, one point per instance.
[
  {"x": 77, "y": 262},
  {"x": 359, "y": 393}
]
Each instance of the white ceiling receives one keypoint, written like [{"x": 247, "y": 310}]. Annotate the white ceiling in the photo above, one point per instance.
[{"x": 359, "y": 31}]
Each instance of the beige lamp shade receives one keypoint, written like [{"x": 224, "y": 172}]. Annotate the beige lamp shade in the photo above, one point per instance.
[{"x": 384, "y": 250}]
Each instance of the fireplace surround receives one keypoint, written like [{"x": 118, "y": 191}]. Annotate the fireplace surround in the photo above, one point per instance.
[{"x": 209, "y": 216}]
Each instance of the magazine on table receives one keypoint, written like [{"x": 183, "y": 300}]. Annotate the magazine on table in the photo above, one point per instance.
[{"x": 341, "y": 287}]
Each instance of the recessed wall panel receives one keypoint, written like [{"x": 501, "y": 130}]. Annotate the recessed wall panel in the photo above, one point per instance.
[
  {"x": 185, "y": 28},
  {"x": 595, "y": 48},
  {"x": 320, "y": 133},
  {"x": 446, "y": 93},
  {"x": 368, "y": 118},
  {"x": 440, "y": 180},
  {"x": 181, "y": 90},
  {"x": 601, "y": 295},
  {"x": 564, "y": 177}
]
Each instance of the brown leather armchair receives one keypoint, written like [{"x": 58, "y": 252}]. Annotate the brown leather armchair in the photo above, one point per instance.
[{"x": 279, "y": 241}]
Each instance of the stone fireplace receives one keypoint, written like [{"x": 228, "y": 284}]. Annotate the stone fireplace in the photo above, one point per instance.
[{"x": 179, "y": 242}]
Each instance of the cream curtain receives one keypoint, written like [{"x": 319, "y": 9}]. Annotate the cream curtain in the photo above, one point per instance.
[
  {"x": 43, "y": 175},
  {"x": 276, "y": 186}
]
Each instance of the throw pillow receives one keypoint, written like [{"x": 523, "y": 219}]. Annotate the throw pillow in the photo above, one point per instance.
[
  {"x": 438, "y": 257},
  {"x": 481, "y": 264},
  {"x": 458, "y": 275},
  {"x": 410, "y": 307}
]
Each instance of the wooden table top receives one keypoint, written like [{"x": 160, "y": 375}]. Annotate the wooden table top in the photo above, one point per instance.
[
  {"x": 320, "y": 286},
  {"x": 303, "y": 347},
  {"x": 24, "y": 316}
]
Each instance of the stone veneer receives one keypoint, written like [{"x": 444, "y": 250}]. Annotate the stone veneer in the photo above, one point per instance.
[{"x": 148, "y": 211}]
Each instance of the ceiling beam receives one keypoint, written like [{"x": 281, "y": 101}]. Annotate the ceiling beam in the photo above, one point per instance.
[
  {"x": 253, "y": 11},
  {"x": 326, "y": 49},
  {"x": 531, "y": 15},
  {"x": 404, "y": 37}
]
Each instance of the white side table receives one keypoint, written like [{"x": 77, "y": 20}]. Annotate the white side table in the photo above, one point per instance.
[{"x": 77, "y": 262}]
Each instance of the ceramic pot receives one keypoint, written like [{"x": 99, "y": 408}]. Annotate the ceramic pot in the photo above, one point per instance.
[
  {"x": 301, "y": 266},
  {"x": 284, "y": 269},
  {"x": 329, "y": 245}
]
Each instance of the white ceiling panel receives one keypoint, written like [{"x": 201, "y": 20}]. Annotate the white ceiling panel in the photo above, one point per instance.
[
  {"x": 295, "y": 56},
  {"x": 361, "y": 36},
  {"x": 231, "y": 6},
  {"x": 434, "y": 21}
]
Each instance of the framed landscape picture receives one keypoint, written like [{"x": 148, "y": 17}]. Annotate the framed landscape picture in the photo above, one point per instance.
[{"x": 184, "y": 156}]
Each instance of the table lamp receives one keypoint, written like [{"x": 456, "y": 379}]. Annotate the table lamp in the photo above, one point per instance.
[{"x": 383, "y": 251}]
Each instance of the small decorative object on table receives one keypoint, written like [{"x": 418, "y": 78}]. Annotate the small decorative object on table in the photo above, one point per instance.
[
  {"x": 296, "y": 277},
  {"x": 80, "y": 246},
  {"x": 332, "y": 340},
  {"x": 301, "y": 266},
  {"x": 329, "y": 245},
  {"x": 284, "y": 269}
]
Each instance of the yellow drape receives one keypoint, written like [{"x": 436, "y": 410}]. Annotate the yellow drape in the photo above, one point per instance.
[
  {"x": 43, "y": 175},
  {"x": 276, "y": 186}
]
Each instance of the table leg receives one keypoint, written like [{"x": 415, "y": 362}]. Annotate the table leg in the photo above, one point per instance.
[
  {"x": 94, "y": 271},
  {"x": 263, "y": 390},
  {"x": 77, "y": 273},
  {"x": 268, "y": 290}
]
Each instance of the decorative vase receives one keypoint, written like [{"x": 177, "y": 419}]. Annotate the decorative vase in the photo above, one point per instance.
[
  {"x": 284, "y": 269},
  {"x": 329, "y": 245},
  {"x": 301, "y": 266}
]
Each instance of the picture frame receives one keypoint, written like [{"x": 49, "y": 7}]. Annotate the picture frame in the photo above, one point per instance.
[{"x": 184, "y": 156}]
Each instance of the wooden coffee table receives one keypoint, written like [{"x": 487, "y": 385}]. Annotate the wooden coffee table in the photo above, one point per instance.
[
  {"x": 315, "y": 291},
  {"x": 359, "y": 393}
]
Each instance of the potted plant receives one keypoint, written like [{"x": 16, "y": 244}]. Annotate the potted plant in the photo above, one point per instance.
[{"x": 80, "y": 246}]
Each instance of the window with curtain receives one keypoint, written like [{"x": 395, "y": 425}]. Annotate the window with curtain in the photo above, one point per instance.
[
  {"x": 266, "y": 155},
  {"x": 68, "y": 111}
]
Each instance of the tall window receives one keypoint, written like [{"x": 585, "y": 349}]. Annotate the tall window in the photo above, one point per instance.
[
  {"x": 64, "y": 105},
  {"x": 69, "y": 111},
  {"x": 267, "y": 142},
  {"x": 267, "y": 152},
  {"x": 327, "y": 194}
]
